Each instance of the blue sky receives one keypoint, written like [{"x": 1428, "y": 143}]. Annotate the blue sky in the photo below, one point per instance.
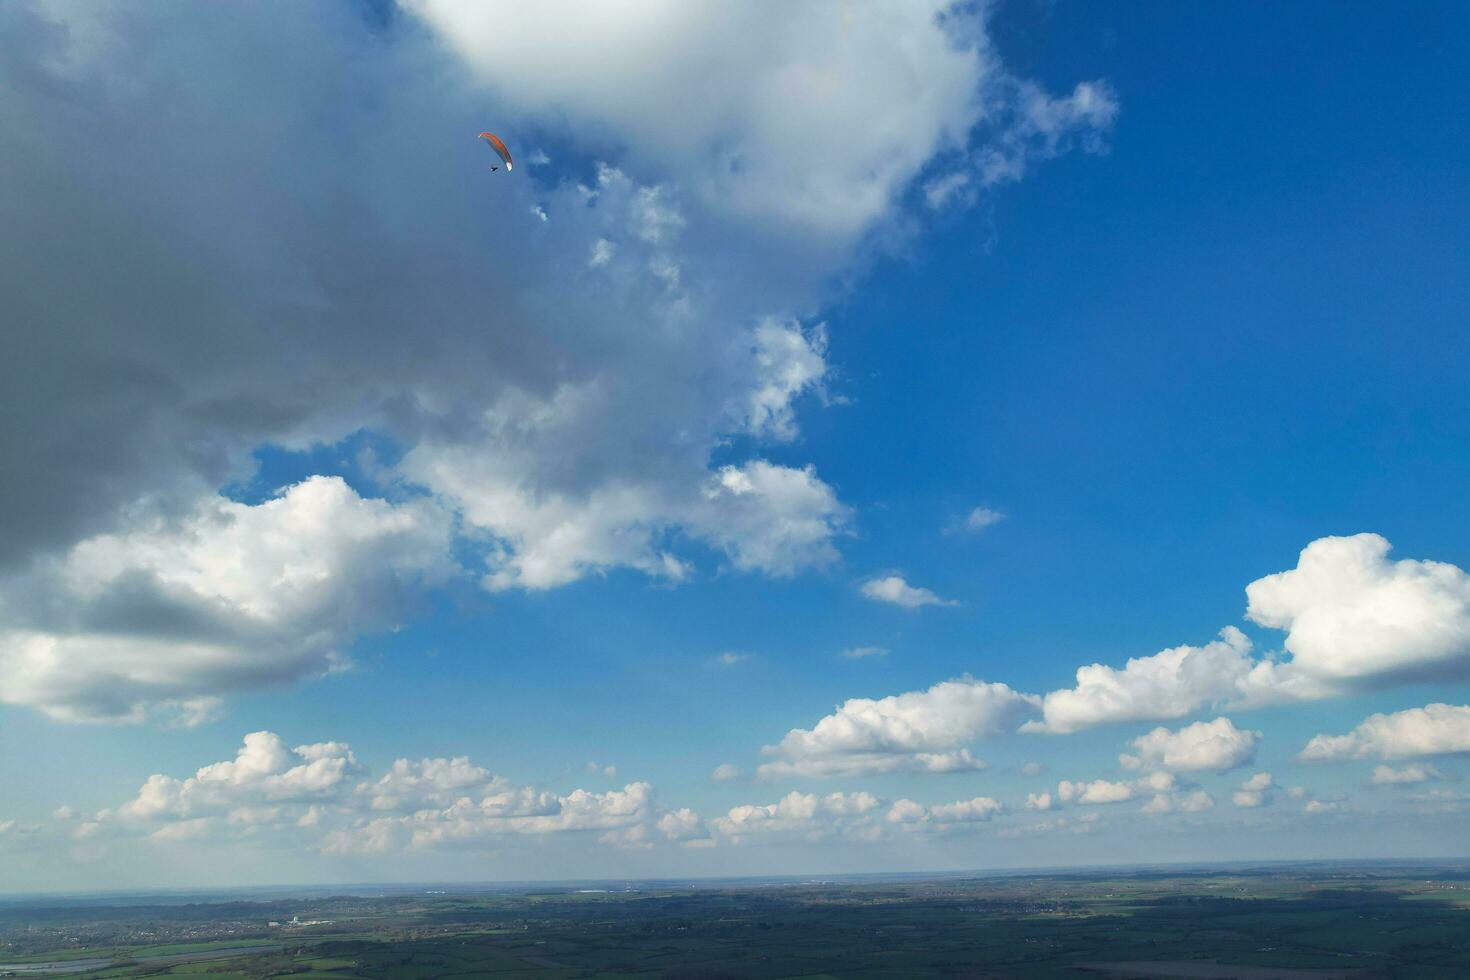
[{"x": 590, "y": 472}]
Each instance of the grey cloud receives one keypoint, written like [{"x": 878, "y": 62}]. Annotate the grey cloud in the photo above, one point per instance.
[{"x": 222, "y": 227}]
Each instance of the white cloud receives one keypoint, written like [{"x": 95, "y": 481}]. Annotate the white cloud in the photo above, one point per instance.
[
  {"x": 757, "y": 110},
  {"x": 805, "y": 813},
  {"x": 863, "y": 653},
  {"x": 1194, "y": 801},
  {"x": 318, "y": 797},
  {"x": 1038, "y": 801},
  {"x": 773, "y": 519},
  {"x": 411, "y": 785},
  {"x": 1045, "y": 126},
  {"x": 977, "y": 810},
  {"x": 730, "y": 658},
  {"x": 682, "y": 825},
  {"x": 919, "y": 730},
  {"x": 1416, "y": 773},
  {"x": 1170, "y": 684},
  {"x": 498, "y": 814},
  {"x": 263, "y": 771},
  {"x": 1161, "y": 785},
  {"x": 789, "y": 362},
  {"x": 1097, "y": 791},
  {"x": 602, "y": 253},
  {"x": 1197, "y": 801},
  {"x": 1216, "y": 746},
  {"x": 977, "y": 520},
  {"x": 1353, "y": 621},
  {"x": 725, "y": 772},
  {"x": 1319, "y": 806},
  {"x": 1353, "y": 616},
  {"x": 893, "y": 589},
  {"x": 1255, "y": 791},
  {"x": 1033, "y": 769},
  {"x": 1435, "y": 729},
  {"x": 599, "y": 469},
  {"x": 167, "y": 616},
  {"x": 567, "y": 416},
  {"x": 870, "y": 764},
  {"x": 855, "y": 816},
  {"x": 906, "y": 811},
  {"x": 941, "y": 191}
]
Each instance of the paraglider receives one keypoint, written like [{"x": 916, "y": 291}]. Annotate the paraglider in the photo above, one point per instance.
[{"x": 498, "y": 147}]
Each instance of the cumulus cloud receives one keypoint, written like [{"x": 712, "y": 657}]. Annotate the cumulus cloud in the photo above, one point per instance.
[
  {"x": 165, "y": 616},
  {"x": 1407, "y": 775},
  {"x": 725, "y": 772},
  {"x": 410, "y": 785},
  {"x": 976, "y": 520},
  {"x": 760, "y": 114},
  {"x": 559, "y": 362},
  {"x": 1255, "y": 791},
  {"x": 1353, "y": 620},
  {"x": 922, "y": 731},
  {"x": 1216, "y": 746},
  {"x": 1102, "y": 791},
  {"x": 762, "y": 517},
  {"x": 318, "y": 797},
  {"x": 1193, "y": 801},
  {"x": 789, "y": 362},
  {"x": 500, "y": 813},
  {"x": 863, "y": 653},
  {"x": 1170, "y": 684},
  {"x": 893, "y": 589},
  {"x": 263, "y": 772},
  {"x": 856, "y": 816},
  {"x": 1435, "y": 729},
  {"x": 773, "y": 519},
  {"x": 805, "y": 813},
  {"x": 683, "y": 825},
  {"x": 909, "y": 814},
  {"x": 1097, "y": 791},
  {"x": 1351, "y": 615},
  {"x": 500, "y": 810}
]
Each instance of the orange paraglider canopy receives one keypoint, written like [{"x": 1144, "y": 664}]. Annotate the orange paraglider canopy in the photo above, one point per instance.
[{"x": 498, "y": 147}]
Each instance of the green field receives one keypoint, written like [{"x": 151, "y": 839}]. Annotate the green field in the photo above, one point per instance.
[{"x": 1253, "y": 924}]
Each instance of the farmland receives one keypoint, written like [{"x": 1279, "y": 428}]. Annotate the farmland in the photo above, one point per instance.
[{"x": 1292, "y": 923}]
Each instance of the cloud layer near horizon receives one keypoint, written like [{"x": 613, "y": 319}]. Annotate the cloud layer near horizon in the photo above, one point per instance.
[
  {"x": 320, "y": 798},
  {"x": 1395, "y": 621}
]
